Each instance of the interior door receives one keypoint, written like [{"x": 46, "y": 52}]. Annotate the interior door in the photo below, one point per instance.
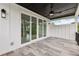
[{"x": 4, "y": 28}]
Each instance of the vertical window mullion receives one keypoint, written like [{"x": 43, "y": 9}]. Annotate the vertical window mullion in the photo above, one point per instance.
[
  {"x": 37, "y": 28},
  {"x": 42, "y": 28},
  {"x": 30, "y": 28},
  {"x": 46, "y": 29}
]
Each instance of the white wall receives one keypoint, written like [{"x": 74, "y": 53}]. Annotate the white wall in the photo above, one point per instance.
[
  {"x": 15, "y": 26},
  {"x": 5, "y": 41},
  {"x": 62, "y": 31},
  {"x": 10, "y": 28}
]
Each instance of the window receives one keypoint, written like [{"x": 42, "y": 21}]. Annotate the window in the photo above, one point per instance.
[
  {"x": 25, "y": 28},
  {"x": 34, "y": 28}
]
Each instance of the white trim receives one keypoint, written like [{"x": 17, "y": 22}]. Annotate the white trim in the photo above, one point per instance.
[
  {"x": 30, "y": 28},
  {"x": 46, "y": 27},
  {"x": 42, "y": 28},
  {"x": 37, "y": 29}
]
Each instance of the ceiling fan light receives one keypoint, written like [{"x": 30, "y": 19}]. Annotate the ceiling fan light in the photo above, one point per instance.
[{"x": 51, "y": 14}]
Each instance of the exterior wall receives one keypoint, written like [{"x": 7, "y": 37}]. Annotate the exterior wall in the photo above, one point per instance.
[
  {"x": 63, "y": 31},
  {"x": 10, "y": 27},
  {"x": 4, "y": 29}
]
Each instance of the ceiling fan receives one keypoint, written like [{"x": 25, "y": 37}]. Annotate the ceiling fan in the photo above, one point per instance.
[{"x": 52, "y": 12}]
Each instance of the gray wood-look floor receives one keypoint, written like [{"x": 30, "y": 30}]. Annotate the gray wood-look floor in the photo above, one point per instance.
[{"x": 48, "y": 47}]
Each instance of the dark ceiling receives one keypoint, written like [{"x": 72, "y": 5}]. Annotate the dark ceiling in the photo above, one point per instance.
[{"x": 44, "y": 9}]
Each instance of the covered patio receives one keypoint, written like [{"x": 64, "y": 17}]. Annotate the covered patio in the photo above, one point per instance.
[{"x": 39, "y": 29}]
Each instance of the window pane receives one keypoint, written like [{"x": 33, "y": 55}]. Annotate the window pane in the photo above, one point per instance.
[
  {"x": 25, "y": 28},
  {"x": 40, "y": 28},
  {"x": 78, "y": 24},
  {"x": 45, "y": 28},
  {"x": 34, "y": 28},
  {"x": 78, "y": 27}
]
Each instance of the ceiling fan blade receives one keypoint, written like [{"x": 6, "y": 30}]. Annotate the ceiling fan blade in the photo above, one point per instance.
[{"x": 57, "y": 12}]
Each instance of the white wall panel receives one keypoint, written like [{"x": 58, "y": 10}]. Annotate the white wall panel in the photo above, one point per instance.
[
  {"x": 4, "y": 29},
  {"x": 15, "y": 26},
  {"x": 63, "y": 31}
]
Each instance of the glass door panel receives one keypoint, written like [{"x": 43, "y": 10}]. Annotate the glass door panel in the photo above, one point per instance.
[
  {"x": 34, "y": 28},
  {"x": 40, "y": 28},
  {"x": 78, "y": 27},
  {"x": 45, "y": 28},
  {"x": 25, "y": 28}
]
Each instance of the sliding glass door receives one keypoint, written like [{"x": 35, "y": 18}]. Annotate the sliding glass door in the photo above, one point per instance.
[
  {"x": 29, "y": 28},
  {"x": 25, "y": 28}
]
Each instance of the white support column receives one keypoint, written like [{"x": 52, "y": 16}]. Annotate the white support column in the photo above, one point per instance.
[
  {"x": 42, "y": 28},
  {"x": 76, "y": 15},
  {"x": 46, "y": 28},
  {"x": 30, "y": 28},
  {"x": 37, "y": 28}
]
